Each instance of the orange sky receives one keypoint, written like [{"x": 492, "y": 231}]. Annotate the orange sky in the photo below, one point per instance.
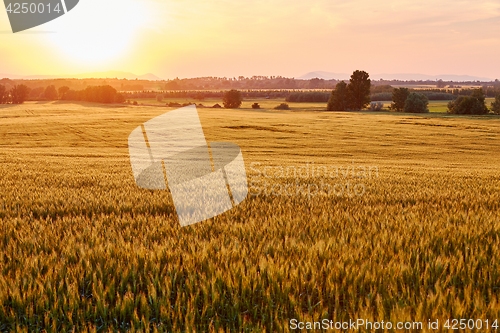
[{"x": 189, "y": 38}]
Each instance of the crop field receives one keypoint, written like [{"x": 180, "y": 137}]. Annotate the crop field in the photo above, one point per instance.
[{"x": 375, "y": 216}]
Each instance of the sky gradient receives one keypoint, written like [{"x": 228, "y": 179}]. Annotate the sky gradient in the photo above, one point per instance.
[{"x": 191, "y": 38}]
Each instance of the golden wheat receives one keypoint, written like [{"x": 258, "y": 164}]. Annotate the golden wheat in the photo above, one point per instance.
[{"x": 82, "y": 248}]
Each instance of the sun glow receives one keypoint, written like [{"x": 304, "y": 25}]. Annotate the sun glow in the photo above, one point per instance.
[{"x": 100, "y": 32}]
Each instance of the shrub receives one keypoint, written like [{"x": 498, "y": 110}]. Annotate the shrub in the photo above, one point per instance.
[
  {"x": 282, "y": 106},
  {"x": 135, "y": 103},
  {"x": 255, "y": 106},
  {"x": 216, "y": 106},
  {"x": 416, "y": 103},
  {"x": 159, "y": 98}
]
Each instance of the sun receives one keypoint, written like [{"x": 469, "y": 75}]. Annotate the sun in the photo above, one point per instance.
[{"x": 99, "y": 32}]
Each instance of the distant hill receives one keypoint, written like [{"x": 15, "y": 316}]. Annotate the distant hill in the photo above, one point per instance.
[
  {"x": 96, "y": 75},
  {"x": 424, "y": 77},
  {"x": 396, "y": 76}
]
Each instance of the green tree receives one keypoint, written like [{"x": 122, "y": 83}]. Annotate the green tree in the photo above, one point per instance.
[
  {"x": 232, "y": 99},
  {"x": 359, "y": 90},
  {"x": 416, "y": 103},
  {"x": 339, "y": 98},
  {"x": 3, "y": 95},
  {"x": 399, "y": 96},
  {"x": 19, "y": 94},
  {"x": 474, "y": 104},
  {"x": 50, "y": 93},
  {"x": 495, "y": 106}
]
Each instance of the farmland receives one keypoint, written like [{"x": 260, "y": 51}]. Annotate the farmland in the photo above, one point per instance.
[
  {"x": 434, "y": 106},
  {"x": 82, "y": 248}
]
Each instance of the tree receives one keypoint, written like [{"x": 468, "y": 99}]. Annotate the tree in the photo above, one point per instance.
[
  {"x": 50, "y": 93},
  {"x": 440, "y": 84},
  {"x": 399, "y": 96},
  {"x": 232, "y": 99},
  {"x": 495, "y": 106},
  {"x": 62, "y": 91},
  {"x": 19, "y": 93},
  {"x": 359, "y": 90},
  {"x": 416, "y": 103},
  {"x": 339, "y": 98},
  {"x": 474, "y": 104},
  {"x": 3, "y": 95}
]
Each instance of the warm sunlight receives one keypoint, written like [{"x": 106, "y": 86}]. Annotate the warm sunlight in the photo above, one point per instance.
[
  {"x": 100, "y": 35},
  {"x": 179, "y": 38}
]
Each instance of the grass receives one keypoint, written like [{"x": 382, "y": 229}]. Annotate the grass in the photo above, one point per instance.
[{"x": 83, "y": 249}]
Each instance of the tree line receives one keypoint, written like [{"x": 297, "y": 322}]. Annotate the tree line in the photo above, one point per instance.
[
  {"x": 20, "y": 93},
  {"x": 96, "y": 94},
  {"x": 355, "y": 95},
  {"x": 475, "y": 103},
  {"x": 15, "y": 95}
]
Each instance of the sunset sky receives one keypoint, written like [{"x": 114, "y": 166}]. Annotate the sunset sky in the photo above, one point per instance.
[{"x": 191, "y": 38}]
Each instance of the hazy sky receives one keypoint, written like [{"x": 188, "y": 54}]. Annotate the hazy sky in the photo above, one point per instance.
[{"x": 189, "y": 38}]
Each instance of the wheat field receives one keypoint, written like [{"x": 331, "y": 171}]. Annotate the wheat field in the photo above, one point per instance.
[{"x": 410, "y": 231}]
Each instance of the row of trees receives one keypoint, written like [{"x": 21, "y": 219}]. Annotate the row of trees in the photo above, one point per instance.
[
  {"x": 95, "y": 94},
  {"x": 308, "y": 97},
  {"x": 356, "y": 96},
  {"x": 403, "y": 100},
  {"x": 254, "y": 82},
  {"x": 15, "y": 95}
]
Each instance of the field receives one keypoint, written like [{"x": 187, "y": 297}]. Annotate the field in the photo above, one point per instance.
[
  {"x": 434, "y": 106},
  {"x": 380, "y": 216}
]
